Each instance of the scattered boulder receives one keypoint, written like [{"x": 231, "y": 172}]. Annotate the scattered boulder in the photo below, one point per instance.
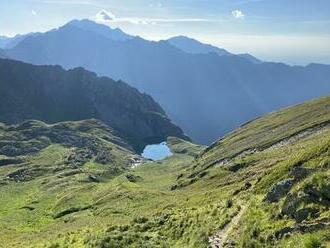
[
  {"x": 104, "y": 157},
  {"x": 9, "y": 161},
  {"x": 279, "y": 190},
  {"x": 69, "y": 173},
  {"x": 302, "y": 228},
  {"x": 299, "y": 173},
  {"x": 235, "y": 167},
  {"x": 69, "y": 211},
  {"x": 12, "y": 148},
  {"x": 173, "y": 187},
  {"x": 229, "y": 203},
  {"x": 30, "y": 208},
  {"x": 284, "y": 231},
  {"x": 79, "y": 157},
  {"x": 26, "y": 174},
  {"x": 245, "y": 187},
  {"x": 293, "y": 203},
  {"x": 304, "y": 213},
  {"x": 202, "y": 174},
  {"x": 179, "y": 176},
  {"x": 133, "y": 178},
  {"x": 93, "y": 179}
]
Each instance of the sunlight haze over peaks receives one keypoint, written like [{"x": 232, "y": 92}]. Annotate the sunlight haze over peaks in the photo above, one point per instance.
[{"x": 296, "y": 34}]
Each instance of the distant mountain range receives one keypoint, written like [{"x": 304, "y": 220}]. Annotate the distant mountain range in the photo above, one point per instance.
[
  {"x": 205, "y": 90},
  {"x": 10, "y": 42},
  {"x": 190, "y": 45},
  {"x": 3, "y": 40},
  {"x": 51, "y": 94},
  {"x": 193, "y": 46},
  {"x": 2, "y": 54}
]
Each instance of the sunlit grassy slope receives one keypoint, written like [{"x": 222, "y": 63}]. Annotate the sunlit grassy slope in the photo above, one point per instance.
[{"x": 69, "y": 193}]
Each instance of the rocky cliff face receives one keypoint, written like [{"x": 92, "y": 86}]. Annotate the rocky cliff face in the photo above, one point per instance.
[{"x": 51, "y": 94}]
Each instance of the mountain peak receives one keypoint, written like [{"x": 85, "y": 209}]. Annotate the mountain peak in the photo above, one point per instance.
[
  {"x": 250, "y": 57},
  {"x": 101, "y": 29},
  {"x": 182, "y": 37},
  {"x": 194, "y": 46}
]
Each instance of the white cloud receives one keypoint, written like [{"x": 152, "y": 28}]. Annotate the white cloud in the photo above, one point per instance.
[
  {"x": 104, "y": 16},
  {"x": 33, "y": 12},
  {"x": 154, "y": 21},
  {"x": 71, "y": 2},
  {"x": 156, "y": 5},
  {"x": 238, "y": 14}
]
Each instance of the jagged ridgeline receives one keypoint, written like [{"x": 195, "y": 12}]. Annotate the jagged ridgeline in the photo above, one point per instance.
[
  {"x": 79, "y": 184},
  {"x": 51, "y": 94}
]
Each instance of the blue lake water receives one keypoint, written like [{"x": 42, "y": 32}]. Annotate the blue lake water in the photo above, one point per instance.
[{"x": 156, "y": 151}]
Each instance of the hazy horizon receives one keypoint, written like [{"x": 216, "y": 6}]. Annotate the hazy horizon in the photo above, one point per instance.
[{"x": 294, "y": 35}]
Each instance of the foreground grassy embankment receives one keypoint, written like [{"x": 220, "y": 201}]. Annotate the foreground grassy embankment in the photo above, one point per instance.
[{"x": 264, "y": 185}]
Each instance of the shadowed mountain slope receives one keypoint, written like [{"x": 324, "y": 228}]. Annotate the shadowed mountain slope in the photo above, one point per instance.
[{"x": 51, "y": 94}]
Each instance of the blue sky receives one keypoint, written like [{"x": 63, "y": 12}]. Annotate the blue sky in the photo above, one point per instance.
[{"x": 292, "y": 31}]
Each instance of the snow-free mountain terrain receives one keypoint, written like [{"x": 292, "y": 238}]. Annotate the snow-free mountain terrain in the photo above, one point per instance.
[
  {"x": 80, "y": 163},
  {"x": 193, "y": 46},
  {"x": 190, "y": 45},
  {"x": 51, "y": 94},
  {"x": 10, "y": 42},
  {"x": 80, "y": 184},
  {"x": 190, "y": 87},
  {"x": 2, "y": 54}
]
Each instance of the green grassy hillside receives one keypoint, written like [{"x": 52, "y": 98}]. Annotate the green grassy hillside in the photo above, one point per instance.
[{"x": 266, "y": 184}]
